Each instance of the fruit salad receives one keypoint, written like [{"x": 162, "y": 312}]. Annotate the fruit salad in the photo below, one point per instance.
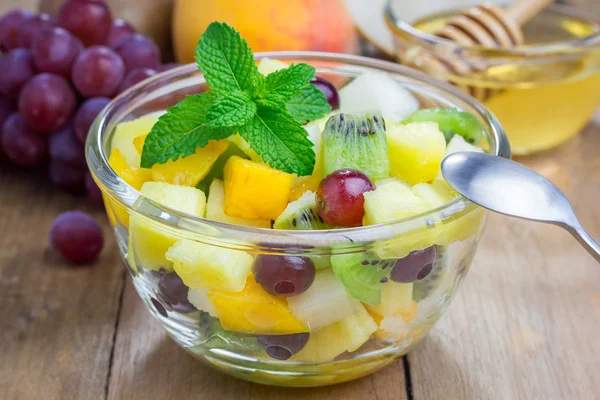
[{"x": 374, "y": 159}]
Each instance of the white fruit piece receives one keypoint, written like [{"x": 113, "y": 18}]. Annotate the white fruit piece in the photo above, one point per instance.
[
  {"x": 268, "y": 65},
  {"x": 390, "y": 202},
  {"x": 458, "y": 143},
  {"x": 215, "y": 208},
  {"x": 378, "y": 91},
  {"x": 324, "y": 303},
  {"x": 126, "y": 132},
  {"x": 151, "y": 239},
  {"x": 199, "y": 299},
  {"x": 346, "y": 335},
  {"x": 210, "y": 267}
]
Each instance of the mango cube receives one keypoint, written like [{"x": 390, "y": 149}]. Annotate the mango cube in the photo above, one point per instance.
[
  {"x": 215, "y": 208},
  {"x": 254, "y": 190}
]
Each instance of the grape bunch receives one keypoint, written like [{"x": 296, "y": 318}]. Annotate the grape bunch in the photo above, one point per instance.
[{"x": 57, "y": 75}]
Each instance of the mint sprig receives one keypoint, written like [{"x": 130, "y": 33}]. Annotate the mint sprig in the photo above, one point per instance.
[{"x": 268, "y": 112}]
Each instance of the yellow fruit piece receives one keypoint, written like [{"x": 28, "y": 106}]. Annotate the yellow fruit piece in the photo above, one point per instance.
[
  {"x": 303, "y": 184},
  {"x": 215, "y": 208},
  {"x": 268, "y": 65},
  {"x": 152, "y": 239},
  {"x": 192, "y": 169},
  {"x": 254, "y": 190},
  {"x": 391, "y": 201},
  {"x": 134, "y": 176},
  {"x": 138, "y": 143},
  {"x": 416, "y": 151},
  {"x": 348, "y": 334},
  {"x": 126, "y": 132},
  {"x": 207, "y": 266},
  {"x": 245, "y": 147},
  {"x": 254, "y": 311},
  {"x": 116, "y": 213},
  {"x": 395, "y": 298}
]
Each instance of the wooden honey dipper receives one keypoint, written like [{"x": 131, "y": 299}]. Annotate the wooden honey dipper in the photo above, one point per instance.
[{"x": 485, "y": 25}]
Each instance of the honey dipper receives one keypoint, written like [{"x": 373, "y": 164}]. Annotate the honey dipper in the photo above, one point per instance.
[{"x": 485, "y": 25}]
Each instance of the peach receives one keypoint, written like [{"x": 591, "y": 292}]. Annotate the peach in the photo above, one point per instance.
[{"x": 267, "y": 25}]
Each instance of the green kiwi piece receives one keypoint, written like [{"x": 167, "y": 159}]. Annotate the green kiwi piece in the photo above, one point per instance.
[
  {"x": 356, "y": 141},
  {"x": 451, "y": 122},
  {"x": 216, "y": 172},
  {"x": 362, "y": 274},
  {"x": 301, "y": 214}
]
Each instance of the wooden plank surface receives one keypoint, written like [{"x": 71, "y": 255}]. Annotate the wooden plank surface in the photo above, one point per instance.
[{"x": 56, "y": 322}]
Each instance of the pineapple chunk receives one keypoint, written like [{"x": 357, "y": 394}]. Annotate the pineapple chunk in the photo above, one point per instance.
[
  {"x": 435, "y": 195},
  {"x": 268, "y": 65},
  {"x": 390, "y": 202},
  {"x": 189, "y": 171},
  {"x": 346, "y": 335},
  {"x": 325, "y": 302},
  {"x": 215, "y": 208},
  {"x": 199, "y": 298},
  {"x": 458, "y": 143},
  {"x": 395, "y": 298},
  {"x": 254, "y": 190},
  {"x": 302, "y": 184},
  {"x": 245, "y": 147},
  {"x": 416, "y": 151},
  {"x": 126, "y": 132},
  {"x": 210, "y": 267},
  {"x": 254, "y": 311},
  {"x": 134, "y": 176},
  {"x": 151, "y": 239}
]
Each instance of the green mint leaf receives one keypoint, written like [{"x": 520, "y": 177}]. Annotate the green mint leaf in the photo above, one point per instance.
[
  {"x": 280, "y": 141},
  {"x": 285, "y": 83},
  {"x": 225, "y": 59},
  {"x": 181, "y": 130},
  {"x": 234, "y": 109},
  {"x": 271, "y": 102},
  {"x": 308, "y": 105}
]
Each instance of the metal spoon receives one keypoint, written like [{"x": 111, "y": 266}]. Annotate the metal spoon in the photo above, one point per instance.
[{"x": 509, "y": 188}]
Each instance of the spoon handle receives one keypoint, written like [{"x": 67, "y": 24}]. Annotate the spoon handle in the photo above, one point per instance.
[{"x": 585, "y": 240}]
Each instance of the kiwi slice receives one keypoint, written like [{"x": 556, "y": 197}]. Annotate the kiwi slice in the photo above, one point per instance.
[
  {"x": 451, "y": 122},
  {"x": 356, "y": 141},
  {"x": 301, "y": 215},
  {"x": 424, "y": 287},
  {"x": 363, "y": 275}
]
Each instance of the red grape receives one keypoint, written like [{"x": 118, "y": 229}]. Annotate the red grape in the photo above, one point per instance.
[
  {"x": 55, "y": 51},
  {"x": 415, "y": 266},
  {"x": 134, "y": 77},
  {"x": 93, "y": 191},
  {"x": 98, "y": 72},
  {"x": 77, "y": 236},
  {"x": 7, "y": 107},
  {"x": 340, "y": 199},
  {"x": 282, "y": 347},
  {"x": 330, "y": 92},
  {"x": 89, "y": 20},
  {"x": 66, "y": 149},
  {"x": 10, "y": 24},
  {"x": 85, "y": 116},
  {"x": 119, "y": 30},
  {"x": 284, "y": 275},
  {"x": 32, "y": 27},
  {"x": 168, "y": 66},
  {"x": 174, "y": 293},
  {"x": 16, "y": 68},
  {"x": 67, "y": 176},
  {"x": 47, "y": 102},
  {"x": 21, "y": 144},
  {"x": 138, "y": 51}
]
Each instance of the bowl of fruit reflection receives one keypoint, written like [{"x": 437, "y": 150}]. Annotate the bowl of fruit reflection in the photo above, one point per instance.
[{"x": 265, "y": 275}]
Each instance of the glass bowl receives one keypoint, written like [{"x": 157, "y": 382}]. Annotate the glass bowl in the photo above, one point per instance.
[
  {"x": 543, "y": 92},
  {"x": 144, "y": 230}
]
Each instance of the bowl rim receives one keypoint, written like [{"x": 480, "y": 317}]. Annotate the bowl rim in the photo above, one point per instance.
[
  {"x": 537, "y": 51},
  {"x": 235, "y": 236}
]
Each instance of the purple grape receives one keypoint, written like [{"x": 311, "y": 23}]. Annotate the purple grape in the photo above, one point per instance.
[
  {"x": 284, "y": 275},
  {"x": 415, "y": 266},
  {"x": 32, "y": 27},
  {"x": 21, "y": 144},
  {"x": 47, "y": 102},
  {"x": 10, "y": 25},
  {"x": 68, "y": 177},
  {"x": 174, "y": 293},
  {"x": 138, "y": 51},
  {"x": 85, "y": 116},
  {"x": 65, "y": 149},
  {"x": 119, "y": 29},
  {"x": 77, "y": 236},
  {"x": 135, "y": 76},
  {"x": 55, "y": 51},
  {"x": 7, "y": 107},
  {"x": 16, "y": 69},
  {"x": 168, "y": 66},
  {"x": 159, "y": 307},
  {"x": 330, "y": 92},
  {"x": 98, "y": 72},
  {"x": 93, "y": 191},
  {"x": 89, "y": 20},
  {"x": 282, "y": 347}
]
